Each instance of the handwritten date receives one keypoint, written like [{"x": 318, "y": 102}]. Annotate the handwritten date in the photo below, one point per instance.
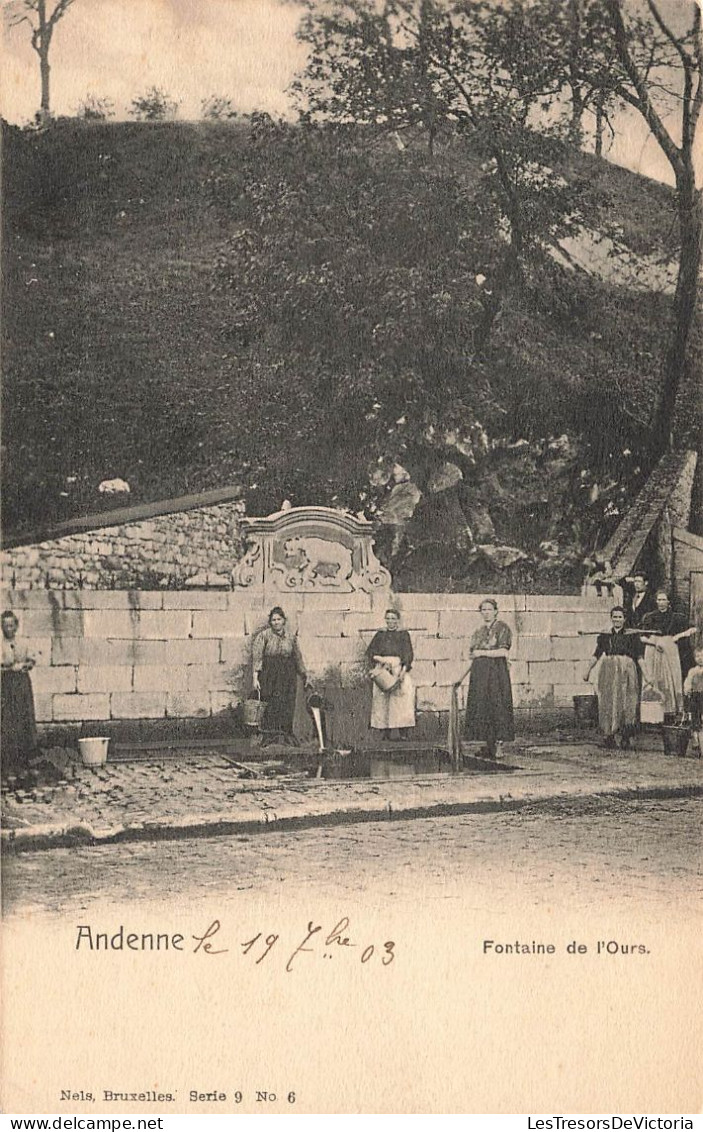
[{"x": 261, "y": 946}]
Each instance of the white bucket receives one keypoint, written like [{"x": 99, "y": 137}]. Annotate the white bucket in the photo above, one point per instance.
[{"x": 93, "y": 751}]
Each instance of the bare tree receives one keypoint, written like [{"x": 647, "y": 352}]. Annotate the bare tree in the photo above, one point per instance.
[
  {"x": 652, "y": 93},
  {"x": 42, "y": 18}
]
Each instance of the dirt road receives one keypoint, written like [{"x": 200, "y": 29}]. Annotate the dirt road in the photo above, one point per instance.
[{"x": 576, "y": 854}]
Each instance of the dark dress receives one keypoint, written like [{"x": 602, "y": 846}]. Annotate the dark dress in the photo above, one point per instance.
[
  {"x": 670, "y": 624},
  {"x": 489, "y": 707},
  {"x": 618, "y": 643},
  {"x": 279, "y": 661},
  {"x": 19, "y": 729},
  {"x": 618, "y": 681},
  {"x": 635, "y": 616},
  {"x": 395, "y": 643}
]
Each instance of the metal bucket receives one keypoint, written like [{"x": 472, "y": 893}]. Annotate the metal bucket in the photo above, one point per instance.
[
  {"x": 93, "y": 751},
  {"x": 676, "y": 740},
  {"x": 586, "y": 710},
  {"x": 253, "y": 712},
  {"x": 652, "y": 711}
]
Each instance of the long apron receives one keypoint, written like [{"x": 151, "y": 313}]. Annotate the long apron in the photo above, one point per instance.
[
  {"x": 663, "y": 670},
  {"x": 618, "y": 694},
  {"x": 394, "y": 709}
]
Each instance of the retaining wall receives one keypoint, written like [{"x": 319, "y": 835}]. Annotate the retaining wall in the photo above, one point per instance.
[
  {"x": 145, "y": 655},
  {"x": 201, "y": 545}
]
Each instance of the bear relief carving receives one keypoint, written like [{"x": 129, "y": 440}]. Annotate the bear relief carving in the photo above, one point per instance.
[{"x": 316, "y": 562}]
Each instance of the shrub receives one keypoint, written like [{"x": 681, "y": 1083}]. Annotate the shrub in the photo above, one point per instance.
[
  {"x": 155, "y": 105},
  {"x": 95, "y": 109},
  {"x": 216, "y": 108}
]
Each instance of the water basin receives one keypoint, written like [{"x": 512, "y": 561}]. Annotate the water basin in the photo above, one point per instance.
[{"x": 395, "y": 764}]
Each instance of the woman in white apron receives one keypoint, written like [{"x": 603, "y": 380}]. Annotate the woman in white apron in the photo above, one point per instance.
[
  {"x": 393, "y": 693},
  {"x": 666, "y": 658}
]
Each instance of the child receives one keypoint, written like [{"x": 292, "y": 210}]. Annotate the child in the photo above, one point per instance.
[
  {"x": 693, "y": 691},
  {"x": 600, "y": 575}
]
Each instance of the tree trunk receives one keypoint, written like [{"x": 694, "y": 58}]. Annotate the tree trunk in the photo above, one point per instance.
[
  {"x": 511, "y": 265},
  {"x": 575, "y": 50},
  {"x": 600, "y": 125},
  {"x": 41, "y": 41},
  {"x": 690, "y": 214},
  {"x": 45, "y": 70},
  {"x": 501, "y": 283},
  {"x": 576, "y": 123},
  {"x": 431, "y": 132}
]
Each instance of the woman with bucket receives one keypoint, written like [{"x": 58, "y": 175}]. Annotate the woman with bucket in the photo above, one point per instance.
[
  {"x": 489, "y": 705},
  {"x": 667, "y": 657},
  {"x": 19, "y": 729},
  {"x": 278, "y": 663},
  {"x": 620, "y": 654},
  {"x": 390, "y": 655}
]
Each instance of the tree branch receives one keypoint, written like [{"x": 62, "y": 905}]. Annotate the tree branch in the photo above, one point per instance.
[
  {"x": 60, "y": 10},
  {"x": 686, "y": 136},
  {"x": 666, "y": 30},
  {"x": 641, "y": 101},
  {"x": 697, "y": 103}
]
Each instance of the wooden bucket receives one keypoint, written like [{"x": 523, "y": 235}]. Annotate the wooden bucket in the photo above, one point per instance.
[{"x": 586, "y": 710}]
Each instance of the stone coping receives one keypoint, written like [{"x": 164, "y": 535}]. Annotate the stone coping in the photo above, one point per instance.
[{"x": 101, "y": 520}]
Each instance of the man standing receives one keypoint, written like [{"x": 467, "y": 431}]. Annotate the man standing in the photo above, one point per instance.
[{"x": 639, "y": 600}]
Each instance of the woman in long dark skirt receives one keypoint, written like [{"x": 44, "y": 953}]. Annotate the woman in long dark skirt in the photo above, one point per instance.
[
  {"x": 19, "y": 729},
  {"x": 278, "y": 663},
  {"x": 489, "y": 705}
]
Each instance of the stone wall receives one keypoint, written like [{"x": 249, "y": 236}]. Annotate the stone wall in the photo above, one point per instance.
[
  {"x": 200, "y": 545},
  {"x": 144, "y": 655}
]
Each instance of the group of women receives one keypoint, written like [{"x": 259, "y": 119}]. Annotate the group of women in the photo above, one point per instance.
[
  {"x": 643, "y": 655},
  {"x": 645, "y": 658},
  {"x": 489, "y": 714}
]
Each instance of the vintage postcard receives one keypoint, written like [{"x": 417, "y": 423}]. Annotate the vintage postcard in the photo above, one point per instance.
[{"x": 352, "y": 613}]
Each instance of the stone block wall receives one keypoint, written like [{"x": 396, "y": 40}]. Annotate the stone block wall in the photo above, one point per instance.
[
  {"x": 131, "y": 655},
  {"x": 201, "y": 545},
  {"x": 553, "y": 637},
  {"x": 145, "y": 655}
]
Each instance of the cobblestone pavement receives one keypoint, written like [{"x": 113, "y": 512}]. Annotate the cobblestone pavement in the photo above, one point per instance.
[
  {"x": 578, "y": 854},
  {"x": 197, "y": 791}
]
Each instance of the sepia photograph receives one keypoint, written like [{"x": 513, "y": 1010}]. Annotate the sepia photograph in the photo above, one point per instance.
[{"x": 352, "y": 557}]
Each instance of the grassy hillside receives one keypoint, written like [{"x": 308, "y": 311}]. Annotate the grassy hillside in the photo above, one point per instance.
[{"x": 125, "y": 356}]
